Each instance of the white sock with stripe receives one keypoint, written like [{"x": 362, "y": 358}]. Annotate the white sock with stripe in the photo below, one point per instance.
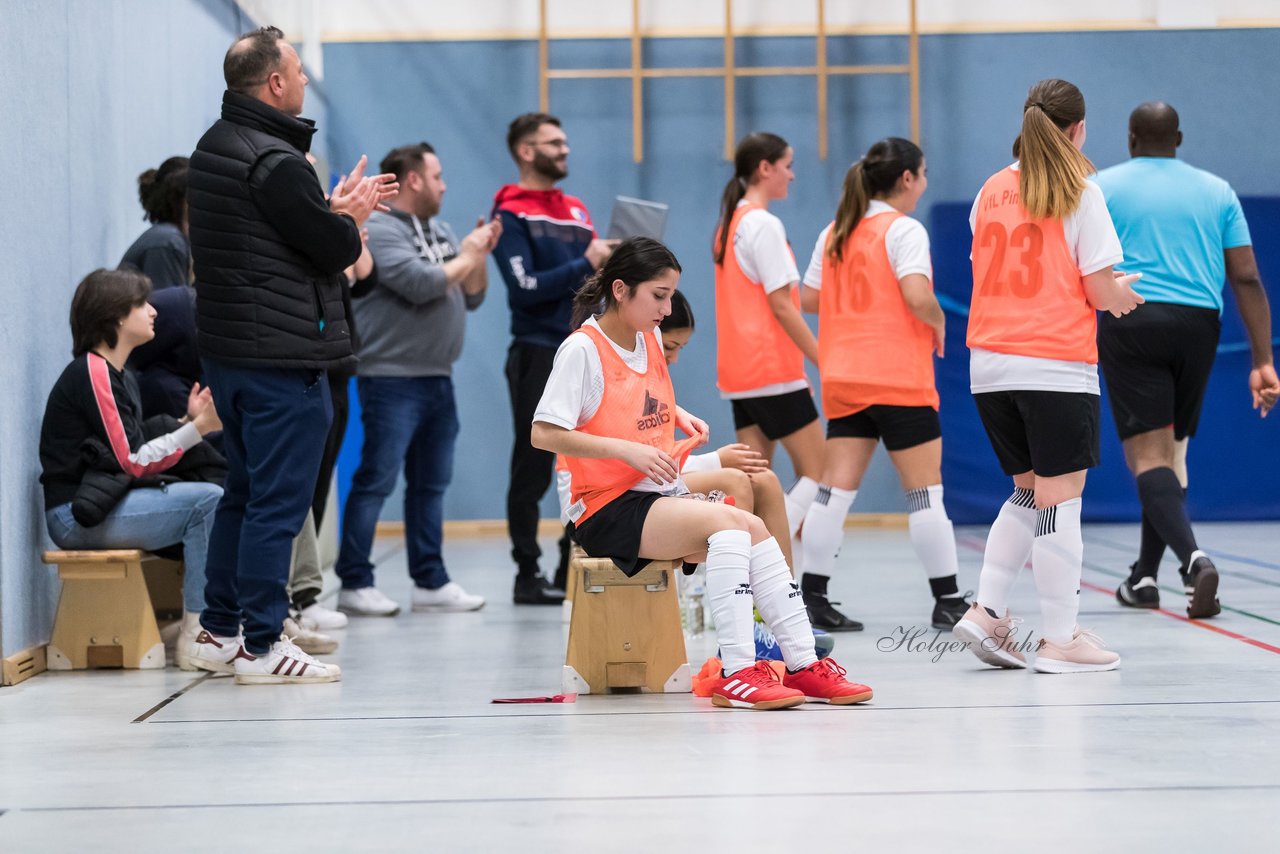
[
  {"x": 1008, "y": 549},
  {"x": 778, "y": 599},
  {"x": 729, "y": 595},
  {"x": 797, "y": 499},
  {"x": 932, "y": 534},
  {"x": 1056, "y": 561},
  {"x": 824, "y": 529}
]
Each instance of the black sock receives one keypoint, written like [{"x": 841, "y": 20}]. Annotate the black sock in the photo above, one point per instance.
[
  {"x": 811, "y": 582},
  {"x": 1150, "y": 550},
  {"x": 304, "y": 599},
  {"x": 1164, "y": 503},
  {"x": 945, "y": 586}
]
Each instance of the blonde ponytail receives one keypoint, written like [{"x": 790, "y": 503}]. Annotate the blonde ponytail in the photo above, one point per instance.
[{"x": 1052, "y": 172}]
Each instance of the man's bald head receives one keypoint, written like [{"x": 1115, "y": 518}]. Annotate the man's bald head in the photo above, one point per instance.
[{"x": 1153, "y": 130}]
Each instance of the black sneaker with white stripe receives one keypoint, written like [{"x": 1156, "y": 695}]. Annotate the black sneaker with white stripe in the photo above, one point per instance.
[
  {"x": 1142, "y": 593},
  {"x": 1200, "y": 581}
]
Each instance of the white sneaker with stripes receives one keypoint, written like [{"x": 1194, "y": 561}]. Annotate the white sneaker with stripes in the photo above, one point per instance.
[{"x": 283, "y": 664}]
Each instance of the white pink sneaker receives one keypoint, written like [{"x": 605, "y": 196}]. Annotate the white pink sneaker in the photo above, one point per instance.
[
  {"x": 993, "y": 640},
  {"x": 1084, "y": 654}
]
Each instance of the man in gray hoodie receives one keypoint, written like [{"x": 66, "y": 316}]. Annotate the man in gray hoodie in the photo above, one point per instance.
[{"x": 411, "y": 329}]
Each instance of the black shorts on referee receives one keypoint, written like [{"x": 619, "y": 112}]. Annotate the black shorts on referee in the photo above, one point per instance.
[
  {"x": 1156, "y": 363},
  {"x": 777, "y": 415},
  {"x": 900, "y": 427},
  {"x": 1050, "y": 433}
]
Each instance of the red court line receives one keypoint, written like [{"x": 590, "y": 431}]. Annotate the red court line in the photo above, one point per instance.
[
  {"x": 1198, "y": 623},
  {"x": 969, "y": 542}
]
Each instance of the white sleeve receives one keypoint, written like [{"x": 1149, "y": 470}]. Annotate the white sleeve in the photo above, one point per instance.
[
  {"x": 907, "y": 243},
  {"x": 763, "y": 253},
  {"x": 813, "y": 273},
  {"x": 1091, "y": 234},
  {"x": 973, "y": 212},
  {"x": 701, "y": 462},
  {"x": 564, "y": 492},
  {"x": 572, "y": 394}
]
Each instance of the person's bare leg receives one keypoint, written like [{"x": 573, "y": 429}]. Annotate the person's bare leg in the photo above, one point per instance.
[
  {"x": 807, "y": 450},
  {"x": 771, "y": 507},
  {"x": 754, "y": 438},
  {"x": 732, "y": 482}
]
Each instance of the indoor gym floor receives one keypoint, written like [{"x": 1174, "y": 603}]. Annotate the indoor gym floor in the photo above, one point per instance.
[{"x": 1178, "y": 750}]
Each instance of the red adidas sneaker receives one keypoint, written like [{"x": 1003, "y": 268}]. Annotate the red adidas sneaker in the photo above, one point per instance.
[
  {"x": 824, "y": 682},
  {"x": 756, "y": 687}
]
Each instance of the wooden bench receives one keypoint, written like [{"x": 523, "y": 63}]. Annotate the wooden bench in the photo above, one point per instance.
[
  {"x": 624, "y": 632},
  {"x": 108, "y": 606}
]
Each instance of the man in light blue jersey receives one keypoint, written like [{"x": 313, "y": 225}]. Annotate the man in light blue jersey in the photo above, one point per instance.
[{"x": 1183, "y": 230}]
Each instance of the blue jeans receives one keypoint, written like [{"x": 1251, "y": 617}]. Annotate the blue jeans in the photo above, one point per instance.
[
  {"x": 151, "y": 518},
  {"x": 409, "y": 421},
  {"x": 275, "y": 422}
]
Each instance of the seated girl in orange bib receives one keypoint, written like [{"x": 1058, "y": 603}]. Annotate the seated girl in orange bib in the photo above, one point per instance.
[{"x": 610, "y": 411}]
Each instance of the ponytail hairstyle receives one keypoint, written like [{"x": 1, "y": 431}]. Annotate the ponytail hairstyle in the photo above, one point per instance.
[
  {"x": 163, "y": 191},
  {"x": 1052, "y": 172},
  {"x": 874, "y": 176},
  {"x": 681, "y": 316},
  {"x": 636, "y": 260},
  {"x": 754, "y": 149}
]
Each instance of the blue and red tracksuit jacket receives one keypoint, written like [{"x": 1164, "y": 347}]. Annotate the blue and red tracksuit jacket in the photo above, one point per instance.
[{"x": 540, "y": 256}]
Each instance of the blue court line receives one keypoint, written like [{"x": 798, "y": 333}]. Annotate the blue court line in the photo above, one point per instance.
[{"x": 1261, "y": 564}]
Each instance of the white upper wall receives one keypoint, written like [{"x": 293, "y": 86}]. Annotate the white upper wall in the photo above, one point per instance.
[{"x": 397, "y": 20}]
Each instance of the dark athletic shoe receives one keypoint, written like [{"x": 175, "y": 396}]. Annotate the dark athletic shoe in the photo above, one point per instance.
[
  {"x": 1201, "y": 583},
  {"x": 949, "y": 610},
  {"x": 823, "y": 616},
  {"x": 536, "y": 590},
  {"x": 1140, "y": 594}
]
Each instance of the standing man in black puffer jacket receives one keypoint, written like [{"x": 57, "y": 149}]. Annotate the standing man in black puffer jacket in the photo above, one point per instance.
[{"x": 272, "y": 318}]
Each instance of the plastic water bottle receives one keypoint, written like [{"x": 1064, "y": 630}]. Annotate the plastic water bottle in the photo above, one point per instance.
[{"x": 693, "y": 602}]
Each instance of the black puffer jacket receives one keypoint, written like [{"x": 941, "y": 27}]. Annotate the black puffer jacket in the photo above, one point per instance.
[
  {"x": 263, "y": 298},
  {"x": 104, "y": 484}
]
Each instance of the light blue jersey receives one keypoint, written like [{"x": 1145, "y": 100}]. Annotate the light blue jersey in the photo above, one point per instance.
[{"x": 1174, "y": 222}]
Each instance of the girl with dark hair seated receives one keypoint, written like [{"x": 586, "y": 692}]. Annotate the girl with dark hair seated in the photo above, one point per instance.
[
  {"x": 163, "y": 251},
  {"x": 610, "y": 411},
  {"x": 98, "y": 456}
]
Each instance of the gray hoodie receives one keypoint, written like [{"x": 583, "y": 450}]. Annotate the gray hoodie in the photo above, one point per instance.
[{"x": 412, "y": 323}]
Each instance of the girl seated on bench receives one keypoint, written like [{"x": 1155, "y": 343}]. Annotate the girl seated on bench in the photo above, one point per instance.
[
  {"x": 95, "y": 405},
  {"x": 610, "y": 410}
]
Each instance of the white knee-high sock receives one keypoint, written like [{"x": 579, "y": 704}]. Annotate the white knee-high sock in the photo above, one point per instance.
[
  {"x": 1056, "y": 561},
  {"x": 729, "y": 594},
  {"x": 824, "y": 529},
  {"x": 798, "y": 498},
  {"x": 1008, "y": 548},
  {"x": 779, "y": 601},
  {"x": 934, "y": 538}
]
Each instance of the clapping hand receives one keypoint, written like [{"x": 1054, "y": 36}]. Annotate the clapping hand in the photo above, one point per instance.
[{"x": 358, "y": 195}]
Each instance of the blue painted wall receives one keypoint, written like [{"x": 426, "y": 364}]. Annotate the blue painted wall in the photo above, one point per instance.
[
  {"x": 93, "y": 92},
  {"x": 460, "y": 96}
]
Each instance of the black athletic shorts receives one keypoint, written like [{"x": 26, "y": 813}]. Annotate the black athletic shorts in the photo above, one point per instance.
[
  {"x": 777, "y": 415},
  {"x": 614, "y": 530},
  {"x": 1048, "y": 432},
  {"x": 1156, "y": 362},
  {"x": 900, "y": 427}
]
